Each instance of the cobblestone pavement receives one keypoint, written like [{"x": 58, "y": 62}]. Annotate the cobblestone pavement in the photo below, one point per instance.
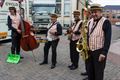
[{"x": 28, "y": 69}]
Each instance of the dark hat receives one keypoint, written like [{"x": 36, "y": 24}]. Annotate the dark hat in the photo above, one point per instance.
[
  {"x": 76, "y": 12},
  {"x": 12, "y": 8},
  {"x": 54, "y": 15},
  {"x": 96, "y": 7}
]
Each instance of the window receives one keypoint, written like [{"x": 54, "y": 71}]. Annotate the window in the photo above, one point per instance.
[
  {"x": 58, "y": 0},
  {"x": 114, "y": 11},
  {"x": 118, "y": 17},
  {"x": 44, "y": 8},
  {"x": 67, "y": 1},
  {"x": 67, "y": 9},
  {"x": 58, "y": 8},
  {"x": 113, "y": 16}
]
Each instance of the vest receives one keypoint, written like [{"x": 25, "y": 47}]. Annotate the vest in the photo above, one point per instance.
[
  {"x": 75, "y": 27},
  {"x": 53, "y": 29},
  {"x": 96, "y": 38},
  {"x": 15, "y": 20}
]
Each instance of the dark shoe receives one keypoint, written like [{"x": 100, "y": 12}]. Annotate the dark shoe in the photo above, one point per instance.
[
  {"x": 86, "y": 78},
  {"x": 73, "y": 68},
  {"x": 84, "y": 74},
  {"x": 69, "y": 66},
  {"x": 21, "y": 57},
  {"x": 53, "y": 66},
  {"x": 43, "y": 63}
]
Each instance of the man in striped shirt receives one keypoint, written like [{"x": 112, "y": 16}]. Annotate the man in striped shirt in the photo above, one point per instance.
[{"x": 99, "y": 38}]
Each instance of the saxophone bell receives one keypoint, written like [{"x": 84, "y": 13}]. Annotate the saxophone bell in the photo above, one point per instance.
[{"x": 79, "y": 46}]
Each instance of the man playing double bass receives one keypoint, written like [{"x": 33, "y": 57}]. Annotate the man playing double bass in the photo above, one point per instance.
[
  {"x": 53, "y": 33},
  {"x": 13, "y": 22},
  {"x": 21, "y": 34}
]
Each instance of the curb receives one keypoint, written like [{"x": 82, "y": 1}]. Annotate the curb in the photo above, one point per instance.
[{"x": 114, "y": 58}]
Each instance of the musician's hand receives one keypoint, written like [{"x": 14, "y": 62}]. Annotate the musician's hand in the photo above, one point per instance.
[
  {"x": 19, "y": 31},
  {"x": 53, "y": 33},
  {"x": 101, "y": 57},
  {"x": 65, "y": 33},
  {"x": 32, "y": 33},
  {"x": 70, "y": 30}
]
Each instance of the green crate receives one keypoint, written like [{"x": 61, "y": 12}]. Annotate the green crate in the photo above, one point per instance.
[{"x": 13, "y": 58}]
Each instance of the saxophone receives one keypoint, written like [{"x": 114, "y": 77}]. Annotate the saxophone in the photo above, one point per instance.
[{"x": 82, "y": 47}]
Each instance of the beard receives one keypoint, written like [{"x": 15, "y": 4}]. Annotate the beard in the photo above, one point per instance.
[{"x": 96, "y": 17}]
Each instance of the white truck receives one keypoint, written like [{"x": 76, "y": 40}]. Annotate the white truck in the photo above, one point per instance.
[
  {"x": 41, "y": 10},
  {"x": 5, "y": 33}
]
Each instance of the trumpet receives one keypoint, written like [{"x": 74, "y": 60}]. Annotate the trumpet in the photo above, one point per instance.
[{"x": 82, "y": 46}]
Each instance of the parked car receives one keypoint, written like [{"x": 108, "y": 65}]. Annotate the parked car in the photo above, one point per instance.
[{"x": 117, "y": 23}]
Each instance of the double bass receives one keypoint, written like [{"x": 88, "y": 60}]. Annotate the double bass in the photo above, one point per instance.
[{"x": 28, "y": 41}]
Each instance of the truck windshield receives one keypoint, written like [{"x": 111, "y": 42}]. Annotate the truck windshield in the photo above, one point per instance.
[{"x": 44, "y": 9}]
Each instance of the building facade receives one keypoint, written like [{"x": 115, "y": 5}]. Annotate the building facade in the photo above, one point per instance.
[
  {"x": 112, "y": 12},
  {"x": 64, "y": 9}
]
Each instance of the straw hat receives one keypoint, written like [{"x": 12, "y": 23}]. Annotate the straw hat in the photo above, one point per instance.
[
  {"x": 76, "y": 12},
  {"x": 54, "y": 15},
  {"x": 96, "y": 7}
]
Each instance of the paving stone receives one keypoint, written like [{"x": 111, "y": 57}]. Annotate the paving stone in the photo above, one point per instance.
[{"x": 28, "y": 69}]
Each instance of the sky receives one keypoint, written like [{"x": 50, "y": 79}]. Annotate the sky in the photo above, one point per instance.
[{"x": 107, "y": 2}]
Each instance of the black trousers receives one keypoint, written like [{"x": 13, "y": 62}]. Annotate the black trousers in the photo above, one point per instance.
[
  {"x": 15, "y": 48},
  {"x": 74, "y": 55},
  {"x": 95, "y": 69},
  {"x": 47, "y": 46}
]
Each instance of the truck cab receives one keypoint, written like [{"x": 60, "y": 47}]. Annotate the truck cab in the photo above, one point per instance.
[{"x": 41, "y": 11}]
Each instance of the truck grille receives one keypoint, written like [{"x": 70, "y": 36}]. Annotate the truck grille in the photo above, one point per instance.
[{"x": 43, "y": 20}]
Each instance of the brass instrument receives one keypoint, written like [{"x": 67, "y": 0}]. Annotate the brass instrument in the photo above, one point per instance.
[
  {"x": 82, "y": 47},
  {"x": 38, "y": 38},
  {"x": 69, "y": 33}
]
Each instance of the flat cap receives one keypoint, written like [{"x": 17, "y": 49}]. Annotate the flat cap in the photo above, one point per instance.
[
  {"x": 96, "y": 7},
  {"x": 76, "y": 12},
  {"x": 54, "y": 15},
  {"x": 12, "y": 8}
]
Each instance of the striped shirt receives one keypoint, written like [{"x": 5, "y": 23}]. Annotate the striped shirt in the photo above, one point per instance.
[
  {"x": 96, "y": 35},
  {"x": 75, "y": 28}
]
